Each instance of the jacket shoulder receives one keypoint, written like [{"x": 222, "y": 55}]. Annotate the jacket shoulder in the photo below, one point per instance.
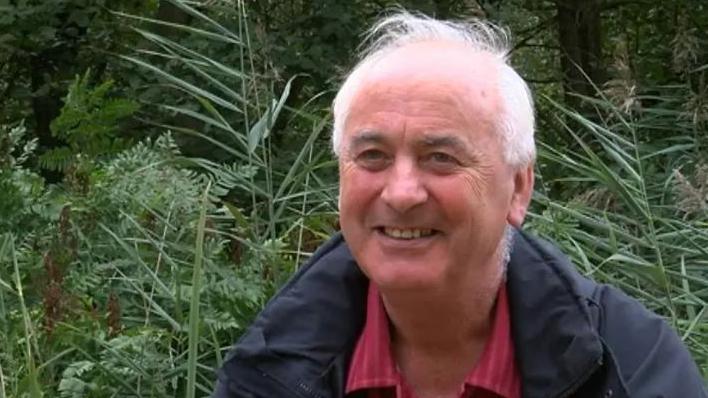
[
  {"x": 651, "y": 357},
  {"x": 299, "y": 344}
]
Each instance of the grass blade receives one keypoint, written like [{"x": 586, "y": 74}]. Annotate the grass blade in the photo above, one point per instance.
[{"x": 194, "y": 299}]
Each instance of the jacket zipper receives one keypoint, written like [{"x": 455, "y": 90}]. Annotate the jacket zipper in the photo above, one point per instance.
[{"x": 573, "y": 388}]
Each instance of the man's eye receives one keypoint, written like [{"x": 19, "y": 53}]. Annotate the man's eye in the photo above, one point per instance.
[
  {"x": 440, "y": 162},
  {"x": 442, "y": 158},
  {"x": 372, "y": 155},
  {"x": 372, "y": 159}
]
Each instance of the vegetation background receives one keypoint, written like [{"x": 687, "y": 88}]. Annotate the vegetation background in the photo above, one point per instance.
[{"x": 165, "y": 166}]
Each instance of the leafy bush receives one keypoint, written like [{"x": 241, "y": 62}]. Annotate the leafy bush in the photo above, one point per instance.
[
  {"x": 628, "y": 215},
  {"x": 108, "y": 285},
  {"x": 88, "y": 123},
  {"x": 21, "y": 188},
  {"x": 134, "y": 275},
  {"x": 137, "y": 283}
]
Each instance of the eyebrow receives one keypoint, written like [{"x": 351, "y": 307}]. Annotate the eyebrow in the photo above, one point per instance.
[
  {"x": 428, "y": 141},
  {"x": 452, "y": 142},
  {"x": 443, "y": 141},
  {"x": 366, "y": 137}
]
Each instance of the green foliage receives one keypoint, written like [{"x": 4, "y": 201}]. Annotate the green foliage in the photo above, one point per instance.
[
  {"x": 276, "y": 190},
  {"x": 20, "y": 187},
  {"x": 112, "y": 317},
  {"x": 11, "y": 138},
  {"x": 135, "y": 273},
  {"x": 118, "y": 279},
  {"x": 45, "y": 43},
  {"x": 630, "y": 217},
  {"x": 88, "y": 123}
]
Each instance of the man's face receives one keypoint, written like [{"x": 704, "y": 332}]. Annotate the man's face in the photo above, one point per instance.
[{"x": 425, "y": 193}]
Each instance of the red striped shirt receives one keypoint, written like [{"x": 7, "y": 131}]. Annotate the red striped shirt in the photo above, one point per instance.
[{"x": 373, "y": 368}]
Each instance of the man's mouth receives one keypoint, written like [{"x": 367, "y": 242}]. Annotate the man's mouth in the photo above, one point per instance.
[{"x": 406, "y": 233}]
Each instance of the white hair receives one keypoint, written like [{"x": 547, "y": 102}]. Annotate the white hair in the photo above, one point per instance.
[
  {"x": 515, "y": 124},
  {"x": 506, "y": 244}
]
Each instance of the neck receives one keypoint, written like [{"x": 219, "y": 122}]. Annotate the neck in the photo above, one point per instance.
[
  {"x": 439, "y": 334},
  {"x": 454, "y": 314},
  {"x": 442, "y": 320}
]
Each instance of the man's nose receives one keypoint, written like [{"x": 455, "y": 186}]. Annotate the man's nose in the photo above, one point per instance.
[{"x": 404, "y": 188}]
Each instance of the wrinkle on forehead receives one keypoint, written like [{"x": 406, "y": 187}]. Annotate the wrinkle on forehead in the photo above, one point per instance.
[{"x": 419, "y": 77}]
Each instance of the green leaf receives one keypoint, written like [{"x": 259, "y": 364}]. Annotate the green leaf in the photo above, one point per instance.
[
  {"x": 194, "y": 319},
  {"x": 237, "y": 214},
  {"x": 263, "y": 126}
]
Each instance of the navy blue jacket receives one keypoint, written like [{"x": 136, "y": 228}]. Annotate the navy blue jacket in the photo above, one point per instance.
[{"x": 572, "y": 337}]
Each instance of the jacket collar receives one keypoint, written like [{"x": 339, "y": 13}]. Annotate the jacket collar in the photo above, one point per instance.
[
  {"x": 304, "y": 337},
  {"x": 557, "y": 347}
]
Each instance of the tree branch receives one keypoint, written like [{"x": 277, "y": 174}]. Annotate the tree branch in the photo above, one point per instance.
[
  {"x": 546, "y": 46},
  {"x": 609, "y": 5},
  {"x": 543, "y": 81},
  {"x": 535, "y": 31},
  {"x": 11, "y": 80}
]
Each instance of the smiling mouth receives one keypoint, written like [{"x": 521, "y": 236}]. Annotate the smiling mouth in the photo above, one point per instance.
[{"x": 406, "y": 233}]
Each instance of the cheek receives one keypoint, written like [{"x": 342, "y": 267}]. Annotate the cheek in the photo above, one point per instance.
[
  {"x": 453, "y": 199},
  {"x": 357, "y": 189},
  {"x": 347, "y": 183},
  {"x": 345, "y": 169},
  {"x": 472, "y": 186},
  {"x": 465, "y": 200}
]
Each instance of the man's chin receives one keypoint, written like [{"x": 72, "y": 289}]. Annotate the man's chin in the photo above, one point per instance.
[{"x": 404, "y": 279}]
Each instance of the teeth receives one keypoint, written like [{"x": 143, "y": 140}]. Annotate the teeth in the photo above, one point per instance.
[{"x": 407, "y": 233}]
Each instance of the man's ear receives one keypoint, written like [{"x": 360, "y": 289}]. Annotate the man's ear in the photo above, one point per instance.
[{"x": 521, "y": 197}]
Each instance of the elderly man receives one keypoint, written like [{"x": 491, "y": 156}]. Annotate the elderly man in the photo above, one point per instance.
[{"x": 423, "y": 295}]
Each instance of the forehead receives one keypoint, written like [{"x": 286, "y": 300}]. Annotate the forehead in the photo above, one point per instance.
[
  {"x": 446, "y": 62},
  {"x": 436, "y": 87}
]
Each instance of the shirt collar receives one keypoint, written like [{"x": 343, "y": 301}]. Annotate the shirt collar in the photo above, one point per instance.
[{"x": 373, "y": 367}]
